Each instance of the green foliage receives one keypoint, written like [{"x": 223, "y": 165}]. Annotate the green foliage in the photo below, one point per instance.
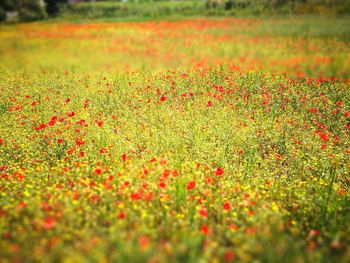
[
  {"x": 2, "y": 14},
  {"x": 288, "y": 6},
  {"x": 28, "y": 10},
  {"x": 159, "y": 9},
  {"x": 10, "y": 5},
  {"x": 31, "y": 10},
  {"x": 133, "y": 9},
  {"x": 53, "y": 6}
]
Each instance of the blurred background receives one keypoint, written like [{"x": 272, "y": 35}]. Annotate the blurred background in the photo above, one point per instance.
[{"x": 32, "y": 10}]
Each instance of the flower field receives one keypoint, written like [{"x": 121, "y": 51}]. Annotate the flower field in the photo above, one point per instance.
[{"x": 198, "y": 140}]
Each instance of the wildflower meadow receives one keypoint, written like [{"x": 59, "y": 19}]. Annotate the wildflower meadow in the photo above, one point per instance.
[{"x": 188, "y": 140}]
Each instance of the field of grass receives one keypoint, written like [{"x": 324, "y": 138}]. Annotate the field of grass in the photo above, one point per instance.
[{"x": 198, "y": 140}]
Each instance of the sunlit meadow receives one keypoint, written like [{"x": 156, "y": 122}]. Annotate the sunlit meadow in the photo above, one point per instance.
[{"x": 198, "y": 140}]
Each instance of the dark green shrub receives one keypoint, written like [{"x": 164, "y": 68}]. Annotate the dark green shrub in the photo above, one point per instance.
[
  {"x": 2, "y": 14},
  {"x": 53, "y": 6},
  {"x": 229, "y": 5},
  {"x": 10, "y": 5},
  {"x": 31, "y": 10}
]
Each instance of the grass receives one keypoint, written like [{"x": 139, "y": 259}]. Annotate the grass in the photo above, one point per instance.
[{"x": 183, "y": 141}]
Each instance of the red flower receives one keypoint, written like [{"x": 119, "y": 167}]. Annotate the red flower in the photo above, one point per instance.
[
  {"x": 226, "y": 206},
  {"x": 161, "y": 185},
  {"x": 59, "y": 140},
  {"x": 278, "y": 157},
  {"x": 98, "y": 171},
  {"x": 205, "y": 229},
  {"x": 71, "y": 150},
  {"x": 191, "y": 185},
  {"x": 52, "y": 121},
  {"x": 103, "y": 150},
  {"x": 219, "y": 171},
  {"x": 70, "y": 114},
  {"x": 166, "y": 173},
  {"x": 121, "y": 215},
  {"x": 313, "y": 110},
  {"x": 40, "y": 127},
  {"x": 135, "y": 196},
  {"x": 339, "y": 103},
  {"x": 209, "y": 104},
  {"x": 123, "y": 157},
  {"x": 49, "y": 223},
  {"x": 324, "y": 146},
  {"x": 143, "y": 242},
  {"x": 203, "y": 212},
  {"x": 79, "y": 142},
  {"x": 163, "y": 98},
  {"x": 323, "y": 136},
  {"x": 229, "y": 256}
]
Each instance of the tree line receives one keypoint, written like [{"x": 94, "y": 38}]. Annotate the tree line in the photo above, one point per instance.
[{"x": 30, "y": 10}]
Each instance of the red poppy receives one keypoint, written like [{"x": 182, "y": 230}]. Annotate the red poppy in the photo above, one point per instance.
[
  {"x": 229, "y": 256},
  {"x": 226, "y": 206},
  {"x": 313, "y": 110},
  {"x": 40, "y": 127},
  {"x": 166, "y": 173},
  {"x": 49, "y": 223},
  {"x": 191, "y": 185},
  {"x": 143, "y": 241},
  {"x": 219, "y": 171},
  {"x": 103, "y": 150},
  {"x": 203, "y": 212},
  {"x": 79, "y": 142},
  {"x": 98, "y": 171},
  {"x": 70, "y": 114},
  {"x": 205, "y": 229},
  {"x": 135, "y": 196},
  {"x": 121, "y": 215},
  {"x": 161, "y": 185},
  {"x": 323, "y": 136}
]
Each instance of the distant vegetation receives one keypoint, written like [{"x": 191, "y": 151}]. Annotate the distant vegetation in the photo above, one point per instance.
[{"x": 29, "y": 10}]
